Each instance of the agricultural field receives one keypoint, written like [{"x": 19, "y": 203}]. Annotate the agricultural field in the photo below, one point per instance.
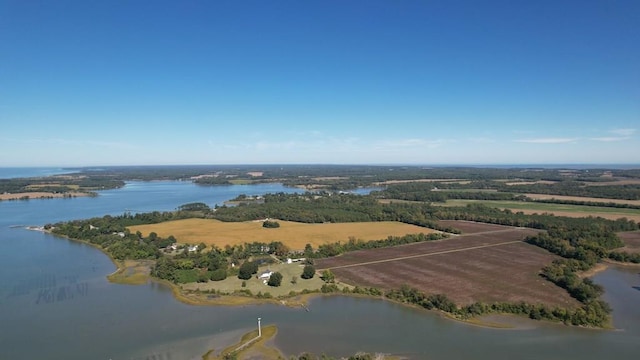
[
  {"x": 631, "y": 240},
  {"x": 581, "y": 198},
  {"x": 494, "y": 265},
  {"x": 556, "y": 209},
  {"x": 293, "y": 234}
]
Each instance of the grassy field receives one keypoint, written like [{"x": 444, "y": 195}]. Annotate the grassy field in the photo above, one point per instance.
[
  {"x": 288, "y": 271},
  {"x": 557, "y": 209},
  {"x": 132, "y": 272},
  {"x": 581, "y": 198},
  {"x": 293, "y": 234}
]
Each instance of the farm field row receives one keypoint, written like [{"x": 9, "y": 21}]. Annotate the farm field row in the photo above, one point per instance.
[
  {"x": 557, "y": 209},
  {"x": 489, "y": 266},
  {"x": 581, "y": 198},
  {"x": 631, "y": 240},
  {"x": 293, "y": 234}
]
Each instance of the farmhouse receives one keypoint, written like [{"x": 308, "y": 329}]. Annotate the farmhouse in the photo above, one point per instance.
[
  {"x": 265, "y": 275},
  {"x": 291, "y": 261}
]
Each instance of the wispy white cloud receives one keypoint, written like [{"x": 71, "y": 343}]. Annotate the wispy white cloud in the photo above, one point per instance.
[
  {"x": 548, "y": 140},
  {"x": 623, "y": 132},
  {"x": 617, "y": 135},
  {"x": 610, "y": 138}
]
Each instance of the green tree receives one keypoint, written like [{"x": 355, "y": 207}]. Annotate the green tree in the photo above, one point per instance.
[
  {"x": 328, "y": 276},
  {"x": 275, "y": 279},
  {"x": 218, "y": 275},
  {"x": 308, "y": 251},
  {"x": 270, "y": 224},
  {"x": 247, "y": 269},
  {"x": 308, "y": 272}
]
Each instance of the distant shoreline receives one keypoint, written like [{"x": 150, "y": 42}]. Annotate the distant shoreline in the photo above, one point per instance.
[{"x": 41, "y": 195}]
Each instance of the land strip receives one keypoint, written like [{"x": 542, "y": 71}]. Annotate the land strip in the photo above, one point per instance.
[
  {"x": 40, "y": 195},
  {"x": 556, "y": 209},
  {"x": 581, "y": 198}
]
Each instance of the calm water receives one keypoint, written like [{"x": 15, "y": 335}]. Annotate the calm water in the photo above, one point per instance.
[
  {"x": 23, "y": 172},
  {"x": 55, "y": 302}
]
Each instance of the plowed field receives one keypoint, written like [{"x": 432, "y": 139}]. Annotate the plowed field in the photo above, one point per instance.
[
  {"x": 631, "y": 240},
  {"x": 491, "y": 266}
]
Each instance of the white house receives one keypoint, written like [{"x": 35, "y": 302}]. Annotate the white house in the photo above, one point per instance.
[{"x": 265, "y": 275}]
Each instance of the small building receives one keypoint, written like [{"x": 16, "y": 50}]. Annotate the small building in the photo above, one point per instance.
[
  {"x": 193, "y": 248},
  {"x": 265, "y": 275}
]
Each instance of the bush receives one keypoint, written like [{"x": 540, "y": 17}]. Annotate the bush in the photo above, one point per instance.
[
  {"x": 275, "y": 279},
  {"x": 247, "y": 269},
  {"x": 218, "y": 275},
  {"x": 270, "y": 224},
  {"x": 308, "y": 272}
]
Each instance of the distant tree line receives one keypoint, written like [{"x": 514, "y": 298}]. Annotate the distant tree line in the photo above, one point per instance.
[{"x": 576, "y": 188}]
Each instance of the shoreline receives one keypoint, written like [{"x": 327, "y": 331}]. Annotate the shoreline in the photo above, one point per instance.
[
  {"x": 41, "y": 195},
  {"x": 199, "y": 298}
]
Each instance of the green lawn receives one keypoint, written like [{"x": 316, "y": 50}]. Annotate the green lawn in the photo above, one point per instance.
[{"x": 288, "y": 271}]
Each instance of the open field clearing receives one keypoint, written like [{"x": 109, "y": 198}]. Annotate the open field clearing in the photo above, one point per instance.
[
  {"x": 631, "y": 240},
  {"x": 255, "y": 285},
  {"x": 556, "y": 209},
  {"x": 293, "y": 234},
  {"x": 581, "y": 198},
  {"x": 489, "y": 267},
  {"x": 610, "y": 216},
  {"x": 615, "y": 182}
]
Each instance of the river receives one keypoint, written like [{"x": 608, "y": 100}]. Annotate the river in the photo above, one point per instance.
[{"x": 55, "y": 302}]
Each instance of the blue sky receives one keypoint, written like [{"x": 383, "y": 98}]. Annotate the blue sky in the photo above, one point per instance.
[{"x": 333, "y": 82}]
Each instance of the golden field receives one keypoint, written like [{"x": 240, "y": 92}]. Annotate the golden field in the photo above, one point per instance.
[{"x": 293, "y": 234}]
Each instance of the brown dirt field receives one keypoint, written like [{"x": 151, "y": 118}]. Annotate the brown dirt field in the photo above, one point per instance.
[
  {"x": 580, "y": 198},
  {"x": 293, "y": 234},
  {"x": 471, "y": 227},
  {"x": 578, "y": 214},
  {"x": 488, "y": 267},
  {"x": 38, "y": 195},
  {"x": 631, "y": 240},
  {"x": 452, "y": 244}
]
